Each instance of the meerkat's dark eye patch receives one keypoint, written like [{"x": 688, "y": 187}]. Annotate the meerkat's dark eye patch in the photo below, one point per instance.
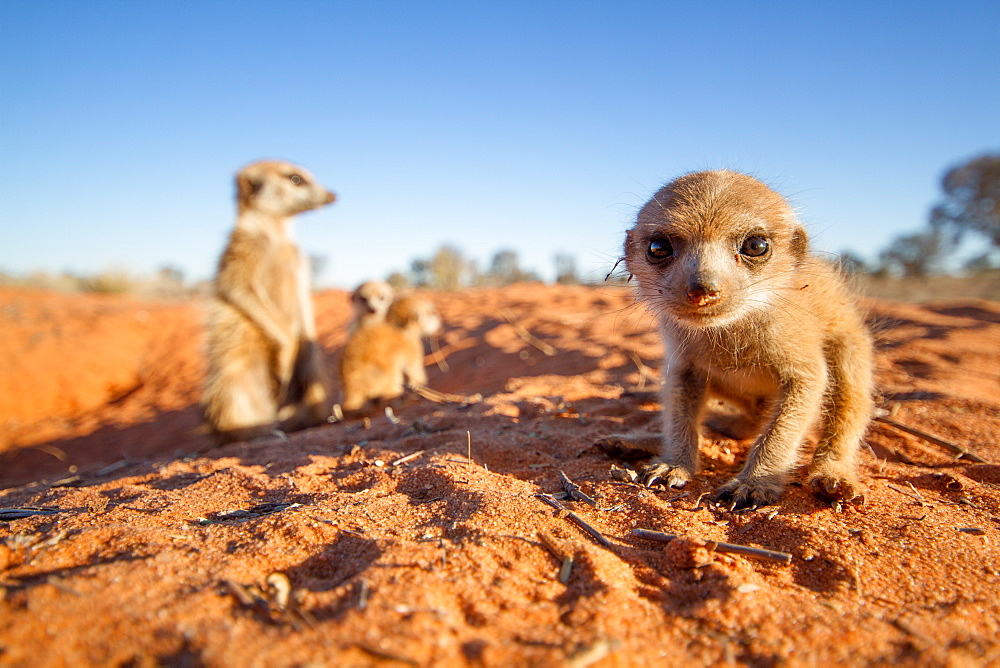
[
  {"x": 296, "y": 179},
  {"x": 660, "y": 249},
  {"x": 755, "y": 245}
]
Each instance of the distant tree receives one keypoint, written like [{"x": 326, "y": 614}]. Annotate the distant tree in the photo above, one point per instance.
[
  {"x": 971, "y": 200},
  {"x": 505, "y": 269},
  {"x": 447, "y": 269},
  {"x": 111, "y": 281},
  {"x": 168, "y": 282},
  {"x": 418, "y": 271},
  {"x": 170, "y": 274},
  {"x": 980, "y": 264},
  {"x": 398, "y": 280},
  {"x": 852, "y": 263},
  {"x": 915, "y": 255},
  {"x": 566, "y": 269}
]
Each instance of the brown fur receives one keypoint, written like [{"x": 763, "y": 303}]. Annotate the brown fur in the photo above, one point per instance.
[
  {"x": 775, "y": 334},
  {"x": 378, "y": 357},
  {"x": 265, "y": 365}
]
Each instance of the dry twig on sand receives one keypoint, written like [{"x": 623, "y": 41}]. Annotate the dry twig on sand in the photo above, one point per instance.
[
  {"x": 9, "y": 514},
  {"x": 574, "y": 491},
  {"x": 528, "y": 336},
  {"x": 958, "y": 451},
  {"x": 579, "y": 521},
  {"x": 716, "y": 546},
  {"x": 274, "y": 600}
]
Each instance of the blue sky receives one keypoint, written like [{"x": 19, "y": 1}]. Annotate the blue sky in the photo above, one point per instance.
[{"x": 535, "y": 126}]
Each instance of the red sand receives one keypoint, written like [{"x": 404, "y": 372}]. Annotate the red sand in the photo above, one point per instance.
[{"x": 438, "y": 560}]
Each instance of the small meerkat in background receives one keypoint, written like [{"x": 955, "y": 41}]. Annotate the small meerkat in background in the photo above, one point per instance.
[
  {"x": 265, "y": 365},
  {"x": 378, "y": 358},
  {"x": 749, "y": 316},
  {"x": 371, "y": 301}
]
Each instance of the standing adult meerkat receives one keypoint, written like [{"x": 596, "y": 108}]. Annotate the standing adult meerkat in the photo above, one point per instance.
[
  {"x": 378, "y": 358},
  {"x": 265, "y": 365},
  {"x": 748, "y": 315},
  {"x": 371, "y": 302}
]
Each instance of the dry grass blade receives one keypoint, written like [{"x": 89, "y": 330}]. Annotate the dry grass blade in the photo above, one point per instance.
[
  {"x": 241, "y": 593},
  {"x": 386, "y": 656},
  {"x": 443, "y": 397},
  {"x": 281, "y": 588},
  {"x": 915, "y": 496},
  {"x": 528, "y": 336},
  {"x": 69, "y": 481},
  {"x": 958, "y": 451},
  {"x": 550, "y": 544},
  {"x": 591, "y": 654},
  {"x": 565, "y": 570},
  {"x": 564, "y": 558},
  {"x": 644, "y": 371},
  {"x": 438, "y": 356},
  {"x": 58, "y": 453},
  {"x": 390, "y": 415},
  {"x": 362, "y": 594},
  {"x": 408, "y": 458}
]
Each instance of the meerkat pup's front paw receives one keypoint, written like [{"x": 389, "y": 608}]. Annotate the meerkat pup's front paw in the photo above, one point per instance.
[
  {"x": 662, "y": 473},
  {"x": 837, "y": 488},
  {"x": 753, "y": 493}
]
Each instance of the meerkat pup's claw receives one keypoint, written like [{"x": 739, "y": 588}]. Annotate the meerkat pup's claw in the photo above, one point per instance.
[
  {"x": 264, "y": 364},
  {"x": 664, "y": 474},
  {"x": 748, "y": 316},
  {"x": 737, "y": 495}
]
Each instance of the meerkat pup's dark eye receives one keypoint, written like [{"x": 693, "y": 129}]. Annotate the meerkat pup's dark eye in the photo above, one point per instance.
[
  {"x": 659, "y": 249},
  {"x": 296, "y": 179},
  {"x": 754, "y": 246}
]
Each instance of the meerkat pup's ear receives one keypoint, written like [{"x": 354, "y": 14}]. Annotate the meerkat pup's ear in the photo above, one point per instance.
[
  {"x": 246, "y": 187},
  {"x": 799, "y": 242}
]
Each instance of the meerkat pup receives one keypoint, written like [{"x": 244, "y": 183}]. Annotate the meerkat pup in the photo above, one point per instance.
[
  {"x": 378, "y": 358},
  {"x": 265, "y": 365},
  {"x": 749, "y": 316},
  {"x": 371, "y": 301}
]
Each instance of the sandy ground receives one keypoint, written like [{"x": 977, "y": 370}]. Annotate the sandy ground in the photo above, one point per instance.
[{"x": 384, "y": 544}]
